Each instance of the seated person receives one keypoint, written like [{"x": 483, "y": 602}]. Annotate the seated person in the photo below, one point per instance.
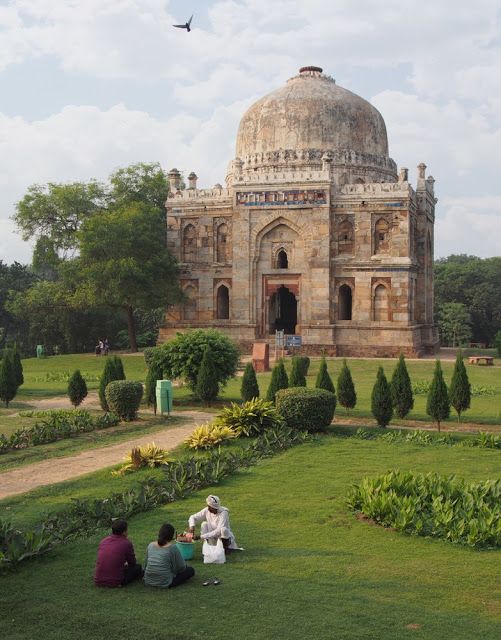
[
  {"x": 116, "y": 563},
  {"x": 215, "y": 521},
  {"x": 164, "y": 565}
]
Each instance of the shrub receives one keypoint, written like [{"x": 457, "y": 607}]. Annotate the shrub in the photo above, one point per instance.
[
  {"x": 154, "y": 373},
  {"x": 460, "y": 389},
  {"x": 297, "y": 377},
  {"x": 209, "y": 435},
  {"x": 182, "y": 356},
  {"x": 324, "y": 381},
  {"x": 207, "y": 384},
  {"x": 8, "y": 382},
  {"x": 346, "y": 389},
  {"x": 437, "y": 404},
  {"x": 304, "y": 364},
  {"x": 148, "y": 456},
  {"x": 250, "y": 387},
  {"x": 113, "y": 370},
  {"x": 18, "y": 367},
  {"x": 432, "y": 505},
  {"x": 381, "y": 404},
  {"x": 77, "y": 389},
  {"x": 251, "y": 418},
  {"x": 279, "y": 380},
  {"x": 124, "y": 398},
  {"x": 401, "y": 389},
  {"x": 309, "y": 409}
]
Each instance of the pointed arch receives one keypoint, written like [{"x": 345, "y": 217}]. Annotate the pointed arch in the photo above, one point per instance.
[
  {"x": 345, "y": 237},
  {"x": 189, "y": 243},
  {"x": 381, "y": 236},
  {"x": 345, "y": 302},
  {"x": 381, "y": 303},
  {"x": 223, "y": 243},
  {"x": 281, "y": 259},
  {"x": 222, "y": 302}
]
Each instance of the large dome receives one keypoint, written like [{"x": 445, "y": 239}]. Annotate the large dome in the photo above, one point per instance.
[{"x": 310, "y": 116}]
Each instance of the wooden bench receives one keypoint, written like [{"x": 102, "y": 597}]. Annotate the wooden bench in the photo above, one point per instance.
[{"x": 489, "y": 360}]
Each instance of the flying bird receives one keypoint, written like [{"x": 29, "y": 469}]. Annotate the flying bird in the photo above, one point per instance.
[{"x": 184, "y": 26}]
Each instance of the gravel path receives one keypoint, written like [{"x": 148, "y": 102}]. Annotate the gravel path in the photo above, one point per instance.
[{"x": 54, "y": 470}]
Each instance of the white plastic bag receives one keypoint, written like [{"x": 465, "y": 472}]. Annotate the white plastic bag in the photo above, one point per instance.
[{"x": 213, "y": 553}]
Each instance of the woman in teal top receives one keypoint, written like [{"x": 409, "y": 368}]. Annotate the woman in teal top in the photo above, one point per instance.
[{"x": 164, "y": 565}]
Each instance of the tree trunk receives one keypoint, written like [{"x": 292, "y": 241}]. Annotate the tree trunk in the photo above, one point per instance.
[{"x": 131, "y": 328}]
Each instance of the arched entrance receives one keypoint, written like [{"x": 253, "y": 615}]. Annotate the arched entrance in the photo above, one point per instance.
[{"x": 283, "y": 311}]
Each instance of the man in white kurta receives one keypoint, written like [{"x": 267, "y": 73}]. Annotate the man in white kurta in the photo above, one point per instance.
[{"x": 215, "y": 523}]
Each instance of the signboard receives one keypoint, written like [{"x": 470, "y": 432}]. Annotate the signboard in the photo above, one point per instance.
[
  {"x": 293, "y": 341},
  {"x": 279, "y": 339}
]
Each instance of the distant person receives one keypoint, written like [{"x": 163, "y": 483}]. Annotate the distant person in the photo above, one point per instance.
[
  {"x": 97, "y": 349},
  {"x": 116, "y": 564},
  {"x": 106, "y": 346},
  {"x": 164, "y": 565},
  {"x": 215, "y": 521}
]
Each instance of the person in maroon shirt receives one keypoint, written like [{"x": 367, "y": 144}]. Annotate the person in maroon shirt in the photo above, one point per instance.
[{"x": 116, "y": 563}]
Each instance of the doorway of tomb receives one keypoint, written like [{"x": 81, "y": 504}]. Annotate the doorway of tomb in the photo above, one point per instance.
[{"x": 282, "y": 314}]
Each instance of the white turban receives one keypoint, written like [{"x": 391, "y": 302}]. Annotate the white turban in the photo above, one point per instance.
[{"x": 214, "y": 502}]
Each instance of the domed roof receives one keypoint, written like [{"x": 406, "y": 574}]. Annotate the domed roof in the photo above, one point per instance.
[{"x": 312, "y": 112}]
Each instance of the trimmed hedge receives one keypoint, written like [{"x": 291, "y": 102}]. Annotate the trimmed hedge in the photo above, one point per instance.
[
  {"x": 124, "y": 397},
  {"x": 309, "y": 409}
]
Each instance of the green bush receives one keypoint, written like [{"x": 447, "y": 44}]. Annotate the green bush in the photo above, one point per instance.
[
  {"x": 251, "y": 418},
  {"x": 113, "y": 370},
  {"x": 250, "y": 388},
  {"x": 297, "y": 377},
  {"x": 460, "y": 389},
  {"x": 381, "y": 402},
  {"x": 497, "y": 343},
  {"x": 437, "y": 403},
  {"x": 77, "y": 389},
  {"x": 8, "y": 378},
  {"x": 308, "y": 409},
  {"x": 150, "y": 392},
  {"x": 401, "y": 389},
  {"x": 124, "y": 397},
  {"x": 433, "y": 505},
  {"x": 279, "y": 380},
  {"x": 324, "y": 381},
  {"x": 345, "y": 388},
  {"x": 18, "y": 367},
  {"x": 182, "y": 356},
  {"x": 207, "y": 385}
]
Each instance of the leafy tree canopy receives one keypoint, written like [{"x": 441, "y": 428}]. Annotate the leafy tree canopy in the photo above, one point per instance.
[{"x": 454, "y": 324}]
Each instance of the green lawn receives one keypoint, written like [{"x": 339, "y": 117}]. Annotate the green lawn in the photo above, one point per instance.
[{"x": 310, "y": 569}]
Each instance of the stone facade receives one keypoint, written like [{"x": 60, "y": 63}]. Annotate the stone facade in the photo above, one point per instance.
[{"x": 315, "y": 232}]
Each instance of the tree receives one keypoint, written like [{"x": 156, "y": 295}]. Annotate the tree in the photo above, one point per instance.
[
  {"x": 345, "y": 388},
  {"x": 401, "y": 389},
  {"x": 124, "y": 263},
  {"x": 250, "y": 388},
  {"x": 8, "y": 384},
  {"x": 14, "y": 279},
  {"x": 56, "y": 212},
  {"x": 279, "y": 380},
  {"x": 140, "y": 182},
  {"x": 77, "y": 388},
  {"x": 381, "y": 402},
  {"x": 437, "y": 404},
  {"x": 454, "y": 324},
  {"x": 460, "y": 388},
  {"x": 207, "y": 385},
  {"x": 182, "y": 356},
  {"x": 297, "y": 377},
  {"x": 113, "y": 370},
  {"x": 324, "y": 381}
]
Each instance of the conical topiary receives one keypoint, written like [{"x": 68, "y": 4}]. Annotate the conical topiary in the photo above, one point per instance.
[
  {"x": 250, "y": 388},
  {"x": 297, "y": 377},
  {"x": 113, "y": 370},
  {"x": 381, "y": 403},
  {"x": 77, "y": 388},
  {"x": 437, "y": 404},
  {"x": 401, "y": 389},
  {"x": 279, "y": 380},
  {"x": 324, "y": 381},
  {"x": 18, "y": 367},
  {"x": 207, "y": 385},
  {"x": 154, "y": 373},
  {"x": 346, "y": 389},
  {"x": 8, "y": 382},
  {"x": 460, "y": 389}
]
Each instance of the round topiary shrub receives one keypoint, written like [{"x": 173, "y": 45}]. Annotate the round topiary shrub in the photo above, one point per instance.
[
  {"x": 123, "y": 398},
  {"x": 306, "y": 409}
]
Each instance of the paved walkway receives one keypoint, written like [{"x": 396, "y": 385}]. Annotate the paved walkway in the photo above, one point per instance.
[{"x": 54, "y": 470}]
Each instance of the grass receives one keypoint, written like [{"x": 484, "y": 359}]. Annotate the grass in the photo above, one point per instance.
[{"x": 310, "y": 569}]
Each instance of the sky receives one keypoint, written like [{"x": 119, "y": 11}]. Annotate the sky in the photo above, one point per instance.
[{"x": 87, "y": 86}]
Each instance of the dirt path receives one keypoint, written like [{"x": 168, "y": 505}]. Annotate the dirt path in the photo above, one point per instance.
[{"x": 50, "y": 471}]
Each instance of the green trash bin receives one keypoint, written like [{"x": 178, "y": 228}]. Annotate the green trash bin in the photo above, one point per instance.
[
  {"x": 40, "y": 351},
  {"x": 164, "y": 396}
]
